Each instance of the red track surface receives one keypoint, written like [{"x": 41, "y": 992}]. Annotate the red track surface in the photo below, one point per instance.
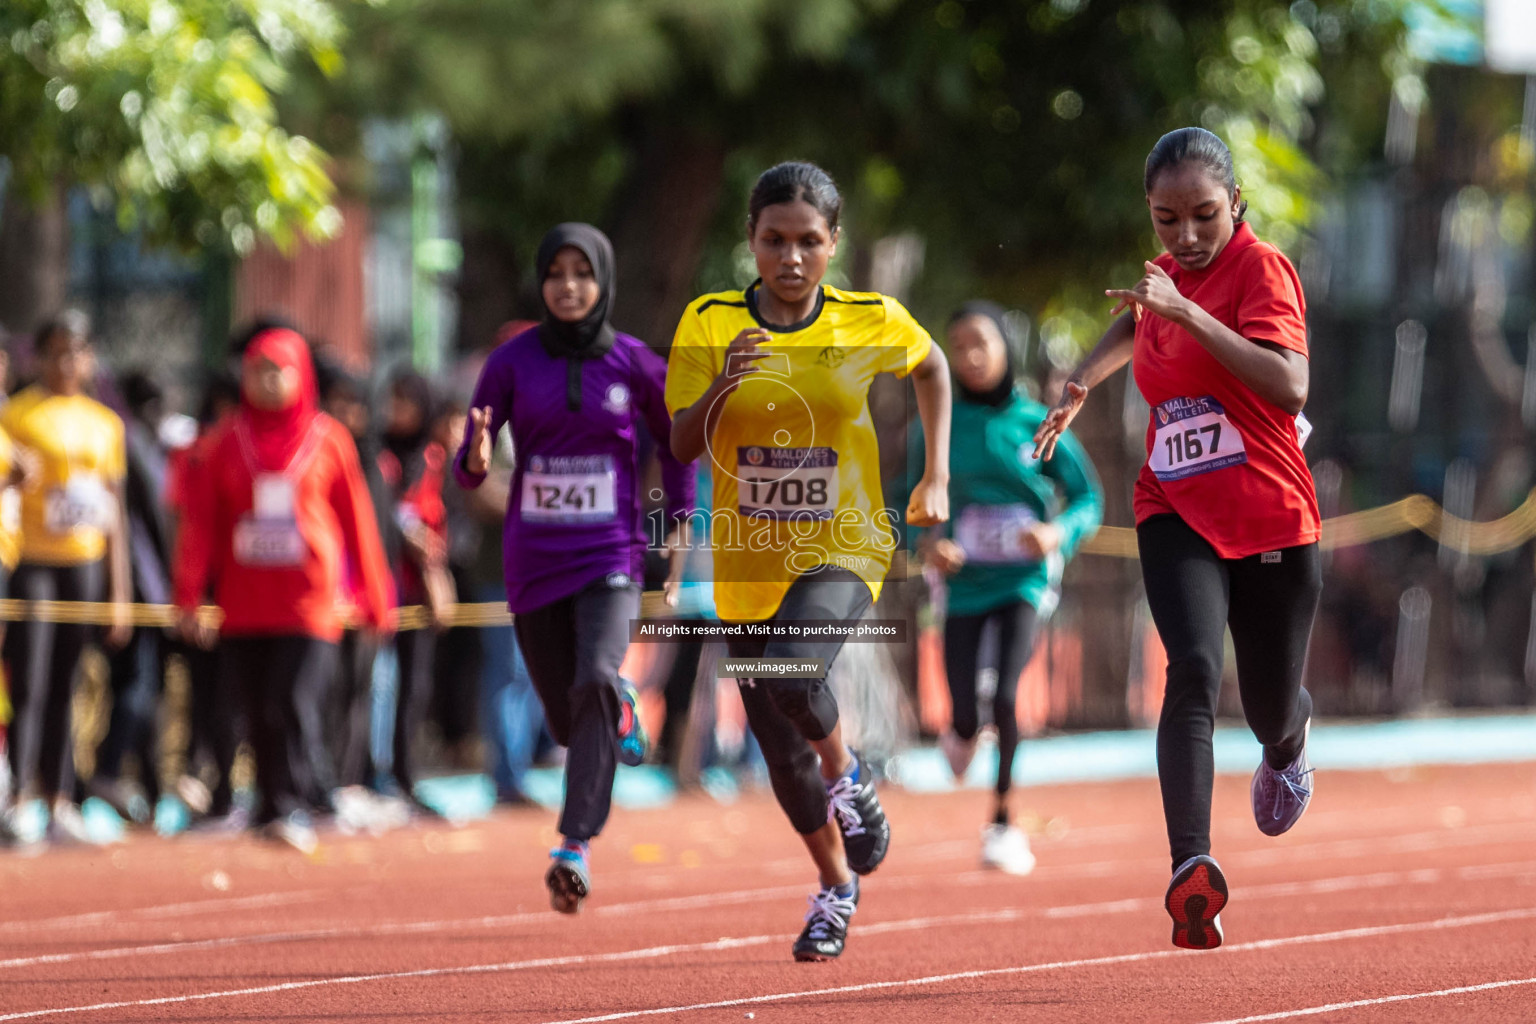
[{"x": 1393, "y": 885}]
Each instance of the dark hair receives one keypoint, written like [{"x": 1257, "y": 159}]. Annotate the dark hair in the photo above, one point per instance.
[
  {"x": 791, "y": 181},
  {"x": 414, "y": 388},
  {"x": 1194, "y": 145},
  {"x": 220, "y": 389},
  {"x": 72, "y": 323},
  {"x": 141, "y": 390}
]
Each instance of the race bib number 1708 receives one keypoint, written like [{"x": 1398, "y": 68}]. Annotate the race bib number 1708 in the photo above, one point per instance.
[
  {"x": 1193, "y": 436},
  {"x": 786, "y": 483}
]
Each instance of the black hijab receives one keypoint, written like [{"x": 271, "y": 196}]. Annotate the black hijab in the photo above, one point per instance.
[
  {"x": 592, "y": 336},
  {"x": 1001, "y": 393}
]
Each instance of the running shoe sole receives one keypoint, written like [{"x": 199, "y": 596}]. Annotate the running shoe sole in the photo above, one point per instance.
[
  {"x": 1195, "y": 899},
  {"x": 807, "y": 955},
  {"x": 567, "y": 887}
]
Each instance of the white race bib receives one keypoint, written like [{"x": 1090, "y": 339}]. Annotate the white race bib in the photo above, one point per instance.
[
  {"x": 568, "y": 489},
  {"x": 81, "y": 504},
  {"x": 269, "y": 543},
  {"x": 1193, "y": 436},
  {"x": 10, "y": 510},
  {"x": 994, "y": 533},
  {"x": 272, "y": 496},
  {"x": 786, "y": 483}
]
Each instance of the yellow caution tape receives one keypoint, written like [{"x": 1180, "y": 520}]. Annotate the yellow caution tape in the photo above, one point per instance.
[{"x": 1415, "y": 512}]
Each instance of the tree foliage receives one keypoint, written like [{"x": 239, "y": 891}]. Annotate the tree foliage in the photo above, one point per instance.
[
  {"x": 1010, "y": 136},
  {"x": 166, "y": 109}
]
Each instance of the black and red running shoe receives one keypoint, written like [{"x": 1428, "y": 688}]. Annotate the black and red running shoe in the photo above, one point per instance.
[{"x": 1194, "y": 901}]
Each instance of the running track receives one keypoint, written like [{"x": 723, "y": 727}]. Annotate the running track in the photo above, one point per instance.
[{"x": 1402, "y": 896}]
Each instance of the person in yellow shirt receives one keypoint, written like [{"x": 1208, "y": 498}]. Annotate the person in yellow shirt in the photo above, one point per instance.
[
  {"x": 72, "y": 542},
  {"x": 11, "y": 469},
  {"x": 771, "y": 384}
]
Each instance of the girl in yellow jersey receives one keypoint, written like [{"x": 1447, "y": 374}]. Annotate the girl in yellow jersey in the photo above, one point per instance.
[
  {"x": 72, "y": 540},
  {"x": 772, "y": 385}
]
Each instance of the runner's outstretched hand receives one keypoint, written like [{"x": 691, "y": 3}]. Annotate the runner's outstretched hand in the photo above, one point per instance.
[
  {"x": 1059, "y": 418},
  {"x": 1155, "y": 292}
]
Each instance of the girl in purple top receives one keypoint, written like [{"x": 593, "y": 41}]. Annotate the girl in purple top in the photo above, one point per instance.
[{"x": 572, "y": 389}]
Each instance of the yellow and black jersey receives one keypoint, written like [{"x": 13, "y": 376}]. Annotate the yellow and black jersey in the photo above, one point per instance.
[
  {"x": 793, "y": 456},
  {"x": 80, "y": 444}
]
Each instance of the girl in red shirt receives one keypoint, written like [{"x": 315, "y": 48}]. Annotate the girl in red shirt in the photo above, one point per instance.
[
  {"x": 279, "y": 501},
  {"x": 1226, "y": 513}
]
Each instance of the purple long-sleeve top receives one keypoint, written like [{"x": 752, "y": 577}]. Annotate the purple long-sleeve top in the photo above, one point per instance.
[{"x": 574, "y": 513}]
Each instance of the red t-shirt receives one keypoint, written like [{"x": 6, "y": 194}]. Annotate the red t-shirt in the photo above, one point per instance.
[
  {"x": 1223, "y": 459},
  {"x": 278, "y": 569}
]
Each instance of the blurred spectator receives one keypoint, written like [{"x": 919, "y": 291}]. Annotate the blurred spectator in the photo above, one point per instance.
[
  {"x": 350, "y": 706},
  {"x": 215, "y": 722},
  {"x": 136, "y": 670},
  {"x": 457, "y": 665},
  {"x": 73, "y": 545},
  {"x": 414, "y": 467},
  {"x": 10, "y": 552},
  {"x": 279, "y": 505}
]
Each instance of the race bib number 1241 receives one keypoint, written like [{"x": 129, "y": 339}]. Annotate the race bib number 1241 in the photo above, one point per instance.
[
  {"x": 568, "y": 489},
  {"x": 1193, "y": 436}
]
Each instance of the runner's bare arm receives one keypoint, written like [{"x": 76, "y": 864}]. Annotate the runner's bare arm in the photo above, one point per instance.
[
  {"x": 1112, "y": 352},
  {"x": 693, "y": 426},
  {"x": 1276, "y": 374},
  {"x": 929, "y": 505}
]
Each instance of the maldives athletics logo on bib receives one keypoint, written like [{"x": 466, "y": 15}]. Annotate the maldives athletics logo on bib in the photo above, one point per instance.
[{"x": 754, "y": 456}]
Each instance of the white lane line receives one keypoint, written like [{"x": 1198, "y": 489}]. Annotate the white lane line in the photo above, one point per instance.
[
  {"x": 271, "y": 899},
  {"x": 1525, "y": 913},
  {"x": 1387, "y": 879},
  {"x": 1313, "y": 1011},
  {"x": 1162, "y": 954},
  {"x": 648, "y": 953}
]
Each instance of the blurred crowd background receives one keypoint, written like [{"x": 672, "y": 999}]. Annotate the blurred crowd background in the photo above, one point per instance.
[{"x": 379, "y": 173}]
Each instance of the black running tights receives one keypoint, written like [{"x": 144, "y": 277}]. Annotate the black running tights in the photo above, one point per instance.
[
  {"x": 1268, "y": 601},
  {"x": 1016, "y": 625},
  {"x": 787, "y": 714},
  {"x": 573, "y": 648}
]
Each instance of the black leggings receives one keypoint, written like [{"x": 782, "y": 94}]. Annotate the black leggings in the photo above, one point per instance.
[
  {"x": 43, "y": 658},
  {"x": 216, "y": 722},
  {"x": 283, "y": 680},
  {"x": 1017, "y": 625},
  {"x": 573, "y": 648},
  {"x": 351, "y": 710},
  {"x": 1268, "y": 601},
  {"x": 787, "y": 714},
  {"x": 137, "y": 672},
  {"x": 416, "y": 650}
]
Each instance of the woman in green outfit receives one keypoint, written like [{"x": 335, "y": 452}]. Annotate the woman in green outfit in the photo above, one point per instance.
[{"x": 1016, "y": 520}]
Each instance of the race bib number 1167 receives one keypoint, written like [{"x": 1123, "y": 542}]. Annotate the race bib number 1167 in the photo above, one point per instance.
[{"x": 1193, "y": 436}]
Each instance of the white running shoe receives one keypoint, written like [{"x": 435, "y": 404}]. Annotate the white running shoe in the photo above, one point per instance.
[
  {"x": 959, "y": 752},
  {"x": 66, "y": 824},
  {"x": 296, "y": 830},
  {"x": 1006, "y": 849}
]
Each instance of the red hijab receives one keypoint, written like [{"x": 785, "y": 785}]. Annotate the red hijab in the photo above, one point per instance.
[{"x": 277, "y": 434}]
